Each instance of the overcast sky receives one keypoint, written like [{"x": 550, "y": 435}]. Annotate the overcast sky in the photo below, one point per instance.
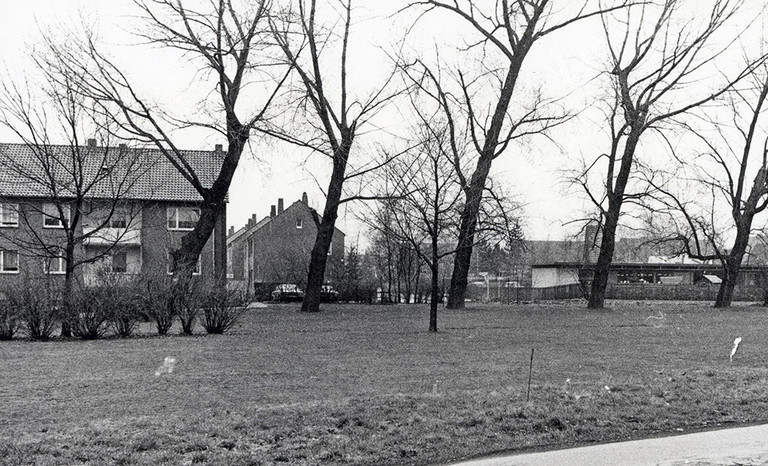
[{"x": 567, "y": 64}]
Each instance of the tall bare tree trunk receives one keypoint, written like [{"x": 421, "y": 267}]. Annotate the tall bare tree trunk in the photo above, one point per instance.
[
  {"x": 615, "y": 202},
  {"x": 474, "y": 192},
  {"x": 213, "y": 213},
  {"x": 603, "y": 266},
  {"x": 67, "y": 298},
  {"x": 463, "y": 258},
  {"x": 319, "y": 258},
  {"x": 434, "y": 294},
  {"x": 732, "y": 265}
]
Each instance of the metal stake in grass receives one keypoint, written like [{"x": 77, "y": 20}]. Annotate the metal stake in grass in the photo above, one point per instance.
[{"x": 530, "y": 372}]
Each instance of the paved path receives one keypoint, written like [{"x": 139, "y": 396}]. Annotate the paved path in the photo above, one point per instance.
[{"x": 742, "y": 445}]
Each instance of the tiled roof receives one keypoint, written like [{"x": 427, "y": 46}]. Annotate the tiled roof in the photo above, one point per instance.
[
  {"x": 143, "y": 174},
  {"x": 249, "y": 230}
]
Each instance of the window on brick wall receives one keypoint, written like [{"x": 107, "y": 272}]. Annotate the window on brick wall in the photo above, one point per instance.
[
  {"x": 9, "y": 215},
  {"x": 9, "y": 261},
  {"x": 54, "y": 265},
  {"x": 52, "y": 217},
  {"x": 183, "y": 218}
]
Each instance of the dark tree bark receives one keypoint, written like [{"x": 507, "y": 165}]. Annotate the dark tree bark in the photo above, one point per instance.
[
  {"x": 325, "y": 229},
  {"x": 612, "y": 214},
  {"x": 467, "y": 228},
  {"x": 731, "y": 269}
]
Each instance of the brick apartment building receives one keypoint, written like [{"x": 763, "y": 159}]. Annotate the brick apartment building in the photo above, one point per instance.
[
  {"x": 131, "y": 235},
  {"x": 277, "y": 248}
]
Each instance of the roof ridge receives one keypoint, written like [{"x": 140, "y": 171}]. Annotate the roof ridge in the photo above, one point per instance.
[{"x": 155, "y": 179}]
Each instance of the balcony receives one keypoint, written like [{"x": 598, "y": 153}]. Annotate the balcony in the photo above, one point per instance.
[{"x": 113, "y": 236}]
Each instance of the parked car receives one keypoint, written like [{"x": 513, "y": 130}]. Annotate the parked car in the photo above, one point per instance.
[
  {"x": 287, "y": 292},
  {"x": 328, "y": 294}
]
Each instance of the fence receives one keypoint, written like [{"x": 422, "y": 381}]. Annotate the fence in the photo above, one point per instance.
[
  {"x": 524, "y": 294},
  {"x": 679, "y": 292},
  {"x": 527, "y": 294},
  {"x": 614, "y": 291}
]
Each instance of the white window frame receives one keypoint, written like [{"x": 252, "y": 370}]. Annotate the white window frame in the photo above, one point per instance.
[
  {"x": 3, "y": 260},
  {"x": 54, "y": 215},
  {"x": 61, "y": 263},
  {"x": 172, "y": 217},
  {"x": 9, "y": 211},
  {"x": 299, "y": 223},
  {"x": 169, "y": 267}
]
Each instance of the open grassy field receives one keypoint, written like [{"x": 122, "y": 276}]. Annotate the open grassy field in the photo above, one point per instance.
[{"x": 368, "y": 384}]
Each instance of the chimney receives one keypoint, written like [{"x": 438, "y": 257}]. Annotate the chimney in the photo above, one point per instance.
[
  {"x": 91, "y": 143},
  {"x": 280, "y": 206},
  {"x": 218, "y": 148},
  {"x": 231, "y": 231},
  {"x": 304, "y": 198},
  {"x": 272, "y": 212},
  {"x": 122, "y": 146},
  {"x": 253, "y": 219}
]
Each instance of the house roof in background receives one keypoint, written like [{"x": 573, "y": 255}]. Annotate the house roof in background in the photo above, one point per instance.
[
  {"x": 136, "y": 173},
  {"x": 248, "y": 230}
]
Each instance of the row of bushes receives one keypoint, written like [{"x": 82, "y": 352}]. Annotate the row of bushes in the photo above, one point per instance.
[{"x": 117, "y": 305}]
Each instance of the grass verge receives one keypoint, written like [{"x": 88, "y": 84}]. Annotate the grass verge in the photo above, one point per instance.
[{"x": 369, "y": 385}]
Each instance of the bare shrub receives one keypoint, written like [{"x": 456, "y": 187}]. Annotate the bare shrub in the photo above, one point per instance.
[
  {"x": 125, "y": 315},
  {"x": 10, "y": 321},
  {"x": 187, "y": 306},
  {"x": 222, "y": 308},
  {"x": 89, "y": 317},
  {"x": 121, "y": 300},
  {"x": 156, "y": 304},
  {"x": 38, "y": 306}
]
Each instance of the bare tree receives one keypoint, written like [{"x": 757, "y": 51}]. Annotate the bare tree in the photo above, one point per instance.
[
  {"x": 654, "y": 64},
  {"x": 382, "y": 246},
  {"x": 85, "y": 189},
  {"x": 506, "y": 32},
  {"x": 424, "y": 191},
  {"x": 330, "y": 126},
  {"x": 227, "y": 40},
  {"x": 735, "y": 151},
  {"x": 424, "y": 205}
]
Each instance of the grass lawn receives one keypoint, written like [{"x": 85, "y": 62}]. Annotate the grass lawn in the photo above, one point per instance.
[{"x": 368, "y": 384}]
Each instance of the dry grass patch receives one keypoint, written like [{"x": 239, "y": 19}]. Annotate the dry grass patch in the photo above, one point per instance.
[{"x": 365, "y": 385}]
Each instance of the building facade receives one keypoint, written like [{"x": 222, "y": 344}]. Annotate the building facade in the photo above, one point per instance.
[
  {"x": 128, "y": 231},
  {"x": 277, "y": 248}
]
